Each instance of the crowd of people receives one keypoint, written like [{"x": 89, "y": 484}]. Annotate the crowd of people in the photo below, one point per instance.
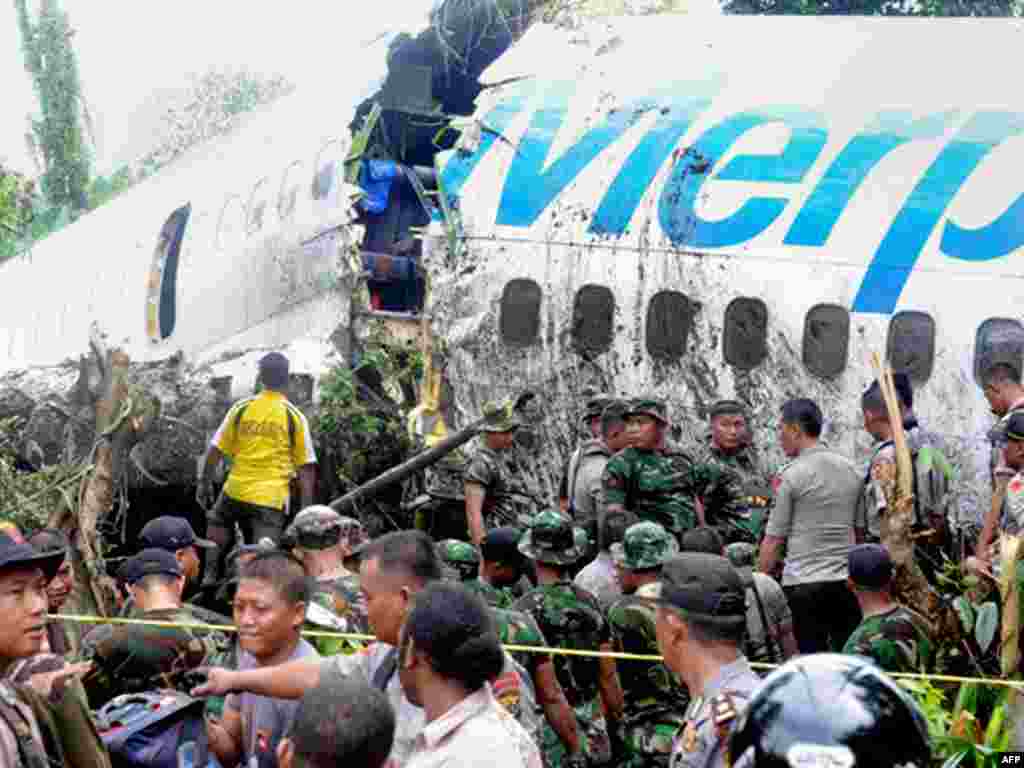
[{"x": 614, "y": 628}]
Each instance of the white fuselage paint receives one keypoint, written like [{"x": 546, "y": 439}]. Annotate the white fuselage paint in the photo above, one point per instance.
[{"x": 240, "y": 290}]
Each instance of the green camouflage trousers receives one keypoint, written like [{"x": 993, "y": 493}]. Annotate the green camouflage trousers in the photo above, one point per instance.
[
  {"x": 647, "y": 744},
  {"x": 593, "y": 732}
]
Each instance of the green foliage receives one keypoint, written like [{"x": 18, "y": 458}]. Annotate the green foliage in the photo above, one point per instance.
[
  {"x": 104, "y": 189},
  {"x": 875, "y": 7},
  {"x": 28, "y": 498},
  {"x": 354, "y": 414},
  {"x": 50, "y": 60},
  {"x": 16, "y": 209}
]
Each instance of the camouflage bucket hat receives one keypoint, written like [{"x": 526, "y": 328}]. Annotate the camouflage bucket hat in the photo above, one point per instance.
[
  {"x": 315, "y": 527},
  {"x": 643, "y": 406},
  {"x": 352, "y": 532},
  {"x": 644, "y": 545},
  {"x": 499, "y": 418},
  {"x": 551, "y": 538}
]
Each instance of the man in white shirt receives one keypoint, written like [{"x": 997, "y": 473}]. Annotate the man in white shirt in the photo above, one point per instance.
[{"x": 449, "y": 650}]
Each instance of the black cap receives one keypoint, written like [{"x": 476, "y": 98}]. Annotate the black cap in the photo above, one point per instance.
[
  {"x": 705, "y": 587},
  {"x": 1015, "y": 427},
  {"x": 171, "y": 533},
  {"x": 274, "y": 368},
  {"x": 870, "y": 566},
  {"x": 148, "y": 562},
  {"x": 16, "y": 552},
  {"x": 727, "y": 408},
  {"x": 501, "y": 545}
]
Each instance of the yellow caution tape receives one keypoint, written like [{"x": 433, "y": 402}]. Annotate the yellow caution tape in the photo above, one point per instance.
[{"x": 515, "y": 648}]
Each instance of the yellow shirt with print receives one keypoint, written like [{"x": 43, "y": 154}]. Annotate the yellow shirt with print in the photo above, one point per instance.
[{"x": 264, "y": 456}]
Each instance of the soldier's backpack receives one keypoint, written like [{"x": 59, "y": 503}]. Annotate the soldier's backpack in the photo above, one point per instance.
[{"x": 154, "y": 729}]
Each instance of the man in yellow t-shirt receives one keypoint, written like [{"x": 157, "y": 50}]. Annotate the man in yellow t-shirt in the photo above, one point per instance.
[{"x": 268, "y": 441}]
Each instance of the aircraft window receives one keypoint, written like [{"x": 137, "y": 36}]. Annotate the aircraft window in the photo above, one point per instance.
[
  {"x": 163, "y": 282},
  {"x": 519, "y": 322},
  {"x": 288, "y": 196},
  {"x": 257, "y": 207},
  {"x": 593, "y": 314},
  {"x": 911, "y": 344},
  {"x": 327, "y": 161},
  {"x": 231, "y": 224},
  {"x": 744, "y": 341},
  {"x": 999, "y": 340},
  {"x": 826, "y": 340},
  {"x": 669, "y": 318}
]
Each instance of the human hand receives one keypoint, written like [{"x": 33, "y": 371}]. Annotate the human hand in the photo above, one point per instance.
[{"x": 219, "y": 682}]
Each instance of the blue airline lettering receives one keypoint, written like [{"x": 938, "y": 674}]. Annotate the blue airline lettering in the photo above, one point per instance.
[
  {"x": 530, "y": 186},
  {"x": 819, "y": 214},
  {"x": 895, "y": 258},
  {"x": 677, "y": 208}
]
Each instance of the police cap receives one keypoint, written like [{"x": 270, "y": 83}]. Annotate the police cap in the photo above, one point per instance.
[{"x": 704, "y": 587}]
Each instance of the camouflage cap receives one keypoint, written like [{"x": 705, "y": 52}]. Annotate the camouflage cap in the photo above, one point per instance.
[
  {"x": 552, "y": 539},
  {"x": 644, "y": 545},
  {"x": 316, "y": 527},
  {"x": 646, "y": 406},
  {"x": 455, "y": 551},
  {"x": 499, "y": 418}
]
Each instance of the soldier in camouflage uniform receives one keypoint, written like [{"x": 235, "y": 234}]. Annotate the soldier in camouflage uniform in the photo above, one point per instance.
[
  {"x": 586, "y": 466},
  {"x": 729, "y": 447},
  {"x": 134, "y": 657},
  {"x": 315, "y": 537},
  {"x": 570, "y": 617},
  {"x": 460, "y": 560},
  {"x": 661, "y": 483},
  {"x": 895, "y": 637},
  {"x": 655, "y": 701},
  {"x": 494, "y": 495},
  {"x": 500, "y": 580}
]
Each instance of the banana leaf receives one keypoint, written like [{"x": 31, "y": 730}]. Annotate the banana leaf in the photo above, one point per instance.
[
  {"x": 965, "y": 612},
  {"x": 988, "y": 623}
]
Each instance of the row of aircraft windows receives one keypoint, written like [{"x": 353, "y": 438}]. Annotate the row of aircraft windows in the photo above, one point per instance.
[{"x": 910, "y": 345}]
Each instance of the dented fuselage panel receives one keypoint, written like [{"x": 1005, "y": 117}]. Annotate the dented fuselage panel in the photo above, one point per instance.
[{"x": 755, "y": 220}]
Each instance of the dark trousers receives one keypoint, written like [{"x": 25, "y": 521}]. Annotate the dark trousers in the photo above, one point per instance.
[
  {"x": 255, "y": 521},
  {"x": 825, "y": 613}
]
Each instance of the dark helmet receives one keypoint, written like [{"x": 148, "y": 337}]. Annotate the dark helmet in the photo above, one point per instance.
[{"x": 833, "y": 710}]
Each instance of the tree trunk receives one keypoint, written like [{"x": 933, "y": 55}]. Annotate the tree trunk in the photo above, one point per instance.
[{"x": 123, "y": 414}]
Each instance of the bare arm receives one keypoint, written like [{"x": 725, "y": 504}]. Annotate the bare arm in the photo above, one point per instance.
[
  {"x": 475, "y": 495},
  {"x": 556, "y": 708},
  {"x": 284, "y": 681},
  {"x": 608, "y": 683},
  {"x": 768, "y": 557},
  {"x": 787, "y": 640},
  {"x": 1002, "y": 479},
  {"x": 225, "y": 737},
  {"x": 213, "y": 458},
  {"x": 307, "y": 483}
]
